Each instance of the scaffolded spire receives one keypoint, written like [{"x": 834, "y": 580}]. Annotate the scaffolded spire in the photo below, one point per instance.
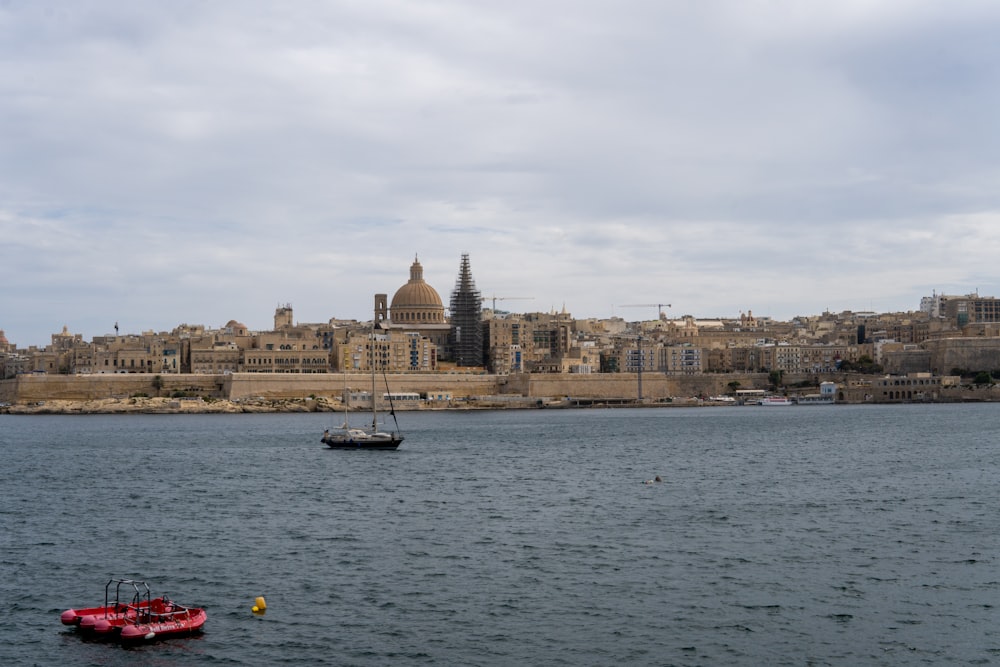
[{"x": 466, "y": 326}]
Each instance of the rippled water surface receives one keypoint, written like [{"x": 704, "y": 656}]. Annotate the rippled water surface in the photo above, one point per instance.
[{"x": 783, "y": 536}]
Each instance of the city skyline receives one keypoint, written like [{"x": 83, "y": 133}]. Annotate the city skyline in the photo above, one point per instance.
[
  {"x": 168, "y": 164},
  {"x": 649, "y": 312}
]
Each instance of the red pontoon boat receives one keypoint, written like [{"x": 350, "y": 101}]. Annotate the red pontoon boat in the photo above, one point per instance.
[{"x": 137, "y": 618}]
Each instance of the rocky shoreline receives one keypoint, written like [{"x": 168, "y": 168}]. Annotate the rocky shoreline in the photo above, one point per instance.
[
  {"x": 167, "y": 406},
  {"x": 191, "y": 406}
]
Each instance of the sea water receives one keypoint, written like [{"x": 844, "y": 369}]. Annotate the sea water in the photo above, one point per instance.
[{"x": 806, "y": 535}]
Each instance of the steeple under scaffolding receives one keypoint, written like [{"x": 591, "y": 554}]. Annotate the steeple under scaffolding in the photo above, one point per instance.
[{"x": 466, "y": 322}]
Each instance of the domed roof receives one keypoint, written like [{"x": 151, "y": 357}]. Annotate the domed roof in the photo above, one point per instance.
[
  {"x": 237, "y": 328},
  {"x": 416, "y": 293}
]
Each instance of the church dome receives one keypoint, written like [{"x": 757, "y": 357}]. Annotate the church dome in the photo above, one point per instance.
[
  {"x": 236, "y": 328},
  {"x": 416, "y": 301}
]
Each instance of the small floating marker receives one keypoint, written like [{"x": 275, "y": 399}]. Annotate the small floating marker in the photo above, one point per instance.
[
  {"x": 259, "y": 606},
  {"x": 150, "y": 635}
]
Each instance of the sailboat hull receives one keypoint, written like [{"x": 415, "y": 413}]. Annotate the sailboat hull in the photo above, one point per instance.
[{"x": 362, "y": 441}]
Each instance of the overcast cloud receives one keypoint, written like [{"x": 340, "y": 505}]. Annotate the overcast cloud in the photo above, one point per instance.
[{"x": 195, "y": 162}]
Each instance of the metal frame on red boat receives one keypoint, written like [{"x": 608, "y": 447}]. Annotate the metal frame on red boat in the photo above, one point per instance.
[{"x": 127, "y": 592}]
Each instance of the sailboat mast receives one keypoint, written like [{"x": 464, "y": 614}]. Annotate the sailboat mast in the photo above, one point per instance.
[{"x": 374, "y": 409}]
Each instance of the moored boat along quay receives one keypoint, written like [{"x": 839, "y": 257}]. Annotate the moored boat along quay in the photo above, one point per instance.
[{"x": 254, "y": 392}]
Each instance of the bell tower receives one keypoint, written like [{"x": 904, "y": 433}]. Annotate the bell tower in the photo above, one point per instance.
[
  {"x": 283, "y": 317},
  {"x": 381, "y": 308}
]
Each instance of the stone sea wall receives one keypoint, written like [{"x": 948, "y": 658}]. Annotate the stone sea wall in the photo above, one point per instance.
[
  {"x": 460, "y": 386},
  {"x": 260, "y": 392}
]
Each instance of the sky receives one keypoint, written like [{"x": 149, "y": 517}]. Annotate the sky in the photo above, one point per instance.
[{"x": 192, "y": 162}]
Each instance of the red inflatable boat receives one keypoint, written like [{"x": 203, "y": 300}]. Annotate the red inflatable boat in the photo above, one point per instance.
[{"x": 133, "y": 615}]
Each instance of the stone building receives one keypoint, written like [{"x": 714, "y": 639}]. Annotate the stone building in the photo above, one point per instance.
[
  {"x": 682, "y": 359},
  {"x": 912, "y": 387},
  {"x": 290, "y": 348},
  {"x": 506, "y": 338},
  {"x": 972, "y": 309},
  {"x": 392, "y": 351}
]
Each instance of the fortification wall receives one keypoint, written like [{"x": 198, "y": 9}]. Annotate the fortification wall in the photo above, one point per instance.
[
  {"x": 247, "y": 385},
  {"x": 626, "y": 385},
  {"x": 655, "y": 386},
  {"x": 975, "y": 354},
  {"x": 33, "y": 388},
  {"x": 543, "y": 385},
  {"x": 8, "y": 391}
]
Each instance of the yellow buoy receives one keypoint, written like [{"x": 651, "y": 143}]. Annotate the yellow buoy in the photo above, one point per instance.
[{"x": 259, "y": 606}]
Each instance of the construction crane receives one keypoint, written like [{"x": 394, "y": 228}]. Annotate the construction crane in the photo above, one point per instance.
[
  {"x": 494, "y": 299},
  {"x": 646, "y": 305}
]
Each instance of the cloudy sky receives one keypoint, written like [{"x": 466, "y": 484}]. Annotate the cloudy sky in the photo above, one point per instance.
[{"x": 195, "y": 162}]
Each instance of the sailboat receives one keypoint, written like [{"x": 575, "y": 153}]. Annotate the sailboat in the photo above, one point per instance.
[{"x": 354, "y": 437}]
